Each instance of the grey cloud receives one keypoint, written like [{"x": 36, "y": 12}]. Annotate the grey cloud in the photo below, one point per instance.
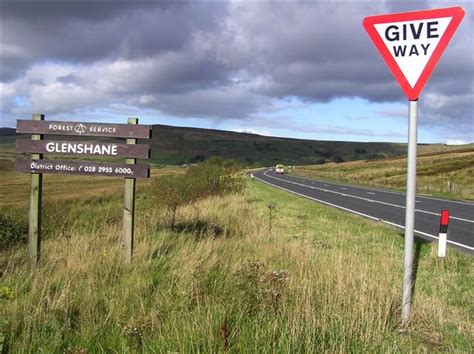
[
  {"x": 231, "y": 103},
  {"x": 320, "y": 51},
  {"x": 81, "y": 32},
  {"x": 68, "y": 79},
  {"x": 218, "y": 60}
]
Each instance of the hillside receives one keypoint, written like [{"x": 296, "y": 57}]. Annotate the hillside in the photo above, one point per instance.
[
  {"x": 446, "y": 173},
  {"x": 173, "y": 145},
  {"x": 178, "y": 145}
]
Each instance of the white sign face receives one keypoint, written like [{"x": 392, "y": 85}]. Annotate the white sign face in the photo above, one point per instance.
[{"x": 412, "y": 43}]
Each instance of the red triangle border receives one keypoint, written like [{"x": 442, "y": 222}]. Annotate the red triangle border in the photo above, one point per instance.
[{"x": 457, "y": 14}]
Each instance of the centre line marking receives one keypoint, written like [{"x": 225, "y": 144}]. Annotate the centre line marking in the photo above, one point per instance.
[{"x": 356, "y": 197}]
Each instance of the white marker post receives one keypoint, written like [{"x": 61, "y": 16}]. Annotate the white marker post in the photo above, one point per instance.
[
  {"x": 443, "y": 233},
  {"x": 411, "y": 44}
]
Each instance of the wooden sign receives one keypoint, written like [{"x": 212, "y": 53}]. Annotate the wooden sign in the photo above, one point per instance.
[
  {"x": 36, "y": 166},
  {"x": 84, "y": 129},
  {"x": 83, "y": 148},
  {"x": 83, "y": 168}
]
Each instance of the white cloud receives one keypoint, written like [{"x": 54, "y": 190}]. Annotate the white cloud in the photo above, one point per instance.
[
  {"x": 253, "y": 131},
  {"x": 456, "y": 142}
]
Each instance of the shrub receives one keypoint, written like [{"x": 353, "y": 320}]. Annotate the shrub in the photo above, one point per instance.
[
  {"x": 172, "y": 192},
  {"x": 213, "y": 177},
  {"x": 13, "y": 230}
]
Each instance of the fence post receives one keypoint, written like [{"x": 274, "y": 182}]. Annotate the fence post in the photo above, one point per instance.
[
  {"x": 129, "y": 208},
  {"x": 34, "y": 218}
]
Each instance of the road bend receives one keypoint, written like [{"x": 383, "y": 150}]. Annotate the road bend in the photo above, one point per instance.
[{"x": 385, "y": 206}]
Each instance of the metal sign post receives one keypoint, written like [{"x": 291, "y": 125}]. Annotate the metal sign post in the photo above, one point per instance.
[
  {"x": 411, "y": 45},
  {"x": 129, "y": 207},
  {"x": 410, "y": 211}
]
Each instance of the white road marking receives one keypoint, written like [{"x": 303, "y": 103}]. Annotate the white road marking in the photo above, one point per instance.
[
  {"x": 429, "y": 235},
  {"x": 400, "y": 193},
  {"x": 361, "y": 214},
  {"x": 371, "y": 193},
  {"x": 365, "y": 199},
  {"x": 344, "y": 188}
]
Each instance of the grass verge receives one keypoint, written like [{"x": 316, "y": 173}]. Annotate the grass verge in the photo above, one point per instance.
[{"x": 263, "y": 271}]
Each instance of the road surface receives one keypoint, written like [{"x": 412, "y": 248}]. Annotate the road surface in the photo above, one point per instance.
[{"x": 385, "y": 206}]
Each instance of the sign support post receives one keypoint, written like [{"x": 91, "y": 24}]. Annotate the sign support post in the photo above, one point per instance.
[
  {"x": 129, "y": 207},
  {"x": 410, "y": 211},
  {"x": 34, "y": 218}
]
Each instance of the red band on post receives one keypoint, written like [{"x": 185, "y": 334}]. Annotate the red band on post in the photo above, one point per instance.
[{"x": 444, "y": 218}]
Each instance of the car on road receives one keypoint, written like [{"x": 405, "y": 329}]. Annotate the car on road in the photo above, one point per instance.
[{"x": 280, "y": 169}]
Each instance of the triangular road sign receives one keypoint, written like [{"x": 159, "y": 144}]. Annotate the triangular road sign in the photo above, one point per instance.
[{"x": 411, "y": 43}]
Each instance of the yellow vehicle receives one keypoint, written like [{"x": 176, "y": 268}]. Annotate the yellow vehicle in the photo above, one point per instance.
[{"x": 280, "y": 169}]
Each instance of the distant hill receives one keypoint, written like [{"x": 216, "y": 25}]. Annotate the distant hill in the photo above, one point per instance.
[
  {"x": 7, "y": 135},
  {"x": 178, "y": 145},
  {"x": 7, "y": 131}
]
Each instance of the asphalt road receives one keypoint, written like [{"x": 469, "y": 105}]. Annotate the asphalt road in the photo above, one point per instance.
[{"x": 385, "y": 206}]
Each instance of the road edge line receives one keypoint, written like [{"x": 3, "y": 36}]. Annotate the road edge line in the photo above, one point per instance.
[{"x": 359, "y": 213}]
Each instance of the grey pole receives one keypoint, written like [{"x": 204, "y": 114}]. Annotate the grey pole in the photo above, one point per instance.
[
  {"x": 410, "y": 212},
  {"x": 129, "y": 208}
]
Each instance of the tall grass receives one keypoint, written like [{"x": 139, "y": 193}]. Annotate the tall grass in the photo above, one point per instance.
[{"x": 231, "y": 276}]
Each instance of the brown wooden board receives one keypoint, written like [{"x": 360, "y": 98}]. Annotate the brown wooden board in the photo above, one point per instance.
[
  {"x": 82, "y": 168},
  {"x": 91, "y": 148},
  {"x": 83, "y": 129}
]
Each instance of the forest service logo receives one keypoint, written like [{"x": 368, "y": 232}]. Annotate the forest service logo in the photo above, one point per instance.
[{"x": 80, "y": 129}]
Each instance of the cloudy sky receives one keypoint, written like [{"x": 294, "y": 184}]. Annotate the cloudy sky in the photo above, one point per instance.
[{"x": 296, "y": 69}]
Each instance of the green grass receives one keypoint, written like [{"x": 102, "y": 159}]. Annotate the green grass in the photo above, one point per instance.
[
  {"x": 448, "y": 174},
  {"x": 263, "y": 271}
]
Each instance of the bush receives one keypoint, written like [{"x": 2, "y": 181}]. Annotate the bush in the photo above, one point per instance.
[
  {"x": 172, "y": 192},
  {"x": 214, "y": 177},
  {"x": 211, "y": 178},
  {"x": 337, "y": 159},
  {"x": 13, "y": 230},
  {"x": 376, "y": 156}
]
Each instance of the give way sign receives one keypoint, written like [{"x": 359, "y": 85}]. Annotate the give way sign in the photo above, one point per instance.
[{"x": 411, "y": 43}]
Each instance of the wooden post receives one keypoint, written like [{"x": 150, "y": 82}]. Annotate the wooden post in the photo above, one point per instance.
[
  {"x": 36, "y": 189},
  {"x": 129, "y": 208}
]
